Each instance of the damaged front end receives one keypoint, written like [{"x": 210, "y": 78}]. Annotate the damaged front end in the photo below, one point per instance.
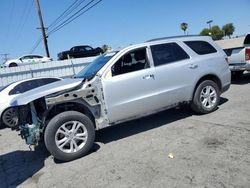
[
  {"x": 35, "y": 113},
  {"x": 31, "y": 109},
  {"x": 30, "y": 123}
]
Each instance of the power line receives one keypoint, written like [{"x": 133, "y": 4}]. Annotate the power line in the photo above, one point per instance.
[
  {"x": 36, "y": 45},
  {"x": 11, "y": 18},
  {"x": 74, "y": 16},
  {"x": 27, "y": 15},
  {"x": 67, "y": 21},
  {"x": 24, "y": 19},
  {"x": 69, "y": 10}
]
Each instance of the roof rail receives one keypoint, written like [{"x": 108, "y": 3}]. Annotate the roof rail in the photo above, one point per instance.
[{"x": 180, "y": 36}]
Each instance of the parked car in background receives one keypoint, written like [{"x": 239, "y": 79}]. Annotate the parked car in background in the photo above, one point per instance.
[
  {"x": 8, "y": 116},
  {"x": 80, "y": 51},
  {"x": 238, "y": 52},
  {"x": 119, "y": 86},
  {"x": 27, "y": 59}
]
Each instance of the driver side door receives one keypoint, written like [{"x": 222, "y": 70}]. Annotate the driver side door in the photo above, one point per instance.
[{"x": 128, "y": 86}]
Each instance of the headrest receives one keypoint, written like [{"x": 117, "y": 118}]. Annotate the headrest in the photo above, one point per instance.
[
  {"x": 127, "y": 58},
  {"x": 140, "y": 55}
]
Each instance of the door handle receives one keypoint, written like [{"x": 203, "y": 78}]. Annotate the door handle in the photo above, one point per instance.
[
  {"x": 193, "y": 66},
  {"x": 148, "y": 76}
]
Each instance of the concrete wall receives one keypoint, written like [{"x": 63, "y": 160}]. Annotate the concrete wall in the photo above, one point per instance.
[{"x": 65, "y": 68}]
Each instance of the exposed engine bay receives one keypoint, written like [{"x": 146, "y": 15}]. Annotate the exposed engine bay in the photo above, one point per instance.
[{"x": 34, "y": 116}]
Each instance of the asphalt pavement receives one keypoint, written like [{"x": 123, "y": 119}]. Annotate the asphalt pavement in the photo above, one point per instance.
[{"x": 174, "y": 148}]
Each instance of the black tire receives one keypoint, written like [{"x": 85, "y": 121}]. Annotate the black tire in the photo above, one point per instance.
[
  {"x": 66, "y": 119},
  {"x": 10, "y": 117},
  {"x": 237, "y": 74},
  {"x": 197, "y": 104},
  {"x": 13, "y": 65}
]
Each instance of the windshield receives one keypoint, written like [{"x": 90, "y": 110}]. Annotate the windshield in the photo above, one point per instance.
[{"x": 90, "y": 71}]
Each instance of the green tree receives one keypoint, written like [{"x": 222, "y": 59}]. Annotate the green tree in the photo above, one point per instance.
[
  {"x": 105, "y": 48},
  {"x": 215, "y": 32},
  {"x": 228, "y": 29},
  {"x": 206, "y": 32},
  {"x": 184, "y": 27}
]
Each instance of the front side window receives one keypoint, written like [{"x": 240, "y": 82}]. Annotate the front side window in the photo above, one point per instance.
[
  {"x": 132, "y": 61},
  {"x": 201, "y": 47},
  {"x": 45, "y": 81},
  {"x": 88, "y": 48},
  {"x": 25, "y": 57},
  {"x": 81, "y": 49},
  {"x": 37, "y": 57},
  {"x": 167, "y": 53},
  {"x": 75, "y": 49}
]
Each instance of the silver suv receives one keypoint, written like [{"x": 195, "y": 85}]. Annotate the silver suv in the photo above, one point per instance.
[{"x": 119, "y": 86}]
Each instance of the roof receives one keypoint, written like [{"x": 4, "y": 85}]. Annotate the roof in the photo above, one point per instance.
[{"x": 173, "y": 37}]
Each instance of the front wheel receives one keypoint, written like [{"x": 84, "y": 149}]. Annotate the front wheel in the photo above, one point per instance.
[
  {"x": 206, "y": 97},
  {"x": 69, "y": 135}
]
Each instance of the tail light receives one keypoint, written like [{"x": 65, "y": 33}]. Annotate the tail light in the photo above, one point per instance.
[{"x": 247, "y": 54}]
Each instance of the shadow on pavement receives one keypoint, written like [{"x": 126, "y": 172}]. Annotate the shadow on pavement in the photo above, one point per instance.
[
  {"x": 223, "y": 100},
  {"x": 95, "y": 148},
  {"x": 17, "y": 166},
  {"x": 244, "y": 79},
  {"x": 134, "y": 127}
]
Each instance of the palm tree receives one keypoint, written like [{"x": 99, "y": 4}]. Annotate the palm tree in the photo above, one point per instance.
[{"x": 184, "y": 27}]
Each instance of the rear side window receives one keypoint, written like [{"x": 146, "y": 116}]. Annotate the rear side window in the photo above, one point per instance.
[
  {"x": 201, "y": 47},
  {"x": 31, "y": 84},
  {"x": 24, "y": 86},
  {"x": 167, "y": 53},
  {"x": 45, "y": 81}
]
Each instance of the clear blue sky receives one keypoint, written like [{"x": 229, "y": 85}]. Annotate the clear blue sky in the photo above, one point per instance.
[{"x": 113, "y": 22}]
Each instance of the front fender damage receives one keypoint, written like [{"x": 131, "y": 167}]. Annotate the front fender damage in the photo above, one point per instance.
[
  {"x": 31, "y": 132},
  {"x": 34, "y": 116}
]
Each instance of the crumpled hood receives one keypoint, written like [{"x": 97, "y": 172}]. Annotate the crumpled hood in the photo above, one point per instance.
[{"x": 45, "y": 90}]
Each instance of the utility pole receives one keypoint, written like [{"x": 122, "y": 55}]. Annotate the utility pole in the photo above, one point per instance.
[{"x": 42, "y": 28}]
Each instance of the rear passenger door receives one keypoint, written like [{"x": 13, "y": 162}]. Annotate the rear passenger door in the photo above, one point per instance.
[{"x": 174, "y": 73}]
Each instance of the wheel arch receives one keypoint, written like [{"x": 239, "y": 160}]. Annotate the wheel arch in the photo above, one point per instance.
[
  {"x": 13, "y": 64},
  {"x": 79, "y": 106},
  {"x": 211, "y": 77}
]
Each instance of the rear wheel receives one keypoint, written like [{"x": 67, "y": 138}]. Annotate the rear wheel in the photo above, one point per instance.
[
  {"x": 69, "y": 135},
  {"x": 206, "y": 97}
]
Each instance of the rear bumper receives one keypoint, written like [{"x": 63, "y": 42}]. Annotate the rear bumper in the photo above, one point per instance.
[
  {"x": 225, "y": 88},
  {"x": 238, "y": 66}
]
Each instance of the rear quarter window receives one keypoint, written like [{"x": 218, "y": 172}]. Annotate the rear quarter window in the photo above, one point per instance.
[
  {"x": 167, "y": 53},
  {"x": 201, "y": 47}
]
